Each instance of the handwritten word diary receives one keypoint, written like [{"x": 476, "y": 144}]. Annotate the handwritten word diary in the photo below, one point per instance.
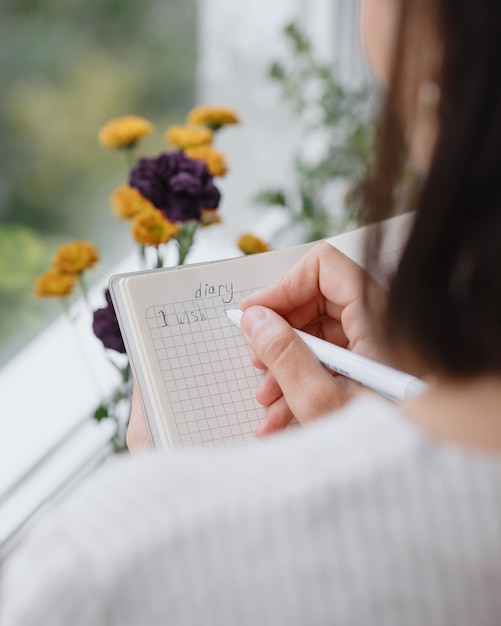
[{"x": 223, "y": 291}]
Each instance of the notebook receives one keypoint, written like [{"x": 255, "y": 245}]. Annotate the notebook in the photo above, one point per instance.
[{"x": 191, "y": 363}]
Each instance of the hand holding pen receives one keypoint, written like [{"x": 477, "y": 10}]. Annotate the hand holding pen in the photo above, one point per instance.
[
  {"x": 322, "y": 294},
  {"x": 387, "y": 381}
]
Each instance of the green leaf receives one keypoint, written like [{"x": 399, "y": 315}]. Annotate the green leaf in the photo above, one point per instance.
[
  {"x": 276, "y": 71},
  {"x": 101, "y": 412},
  {"x": 330, "y": 108},
  {"x": 271, "y": 196}
]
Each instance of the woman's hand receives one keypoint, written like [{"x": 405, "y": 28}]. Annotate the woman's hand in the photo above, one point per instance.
[
  {"x": 322, "y": 295},
  {"x": 138, "y": 432}
]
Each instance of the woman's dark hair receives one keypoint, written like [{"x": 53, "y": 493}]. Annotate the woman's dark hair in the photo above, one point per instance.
[{"x": 445, "y": 297}]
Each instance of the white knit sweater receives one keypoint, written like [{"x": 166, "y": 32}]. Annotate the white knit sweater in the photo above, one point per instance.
[{"x": 358, "y": 519}]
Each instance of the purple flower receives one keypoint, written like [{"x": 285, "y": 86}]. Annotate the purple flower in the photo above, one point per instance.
[
  {"x": 105, "y": 326},
  {"x": 180, "y": 187}
]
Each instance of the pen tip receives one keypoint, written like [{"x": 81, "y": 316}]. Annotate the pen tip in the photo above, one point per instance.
[{"x": 234, "y": 315}]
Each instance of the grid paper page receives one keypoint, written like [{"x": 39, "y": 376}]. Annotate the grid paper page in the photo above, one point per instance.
[{"x": 207, "y": 371}]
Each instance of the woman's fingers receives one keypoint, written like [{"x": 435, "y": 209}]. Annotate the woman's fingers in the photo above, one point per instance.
[
  {"x": 268, "y": 391},
  {"x": 138, "y": 432},
  {"x": 278, "y": 417},
  {"x": 323, "y": 282},
  {"x": 329, "y": 329},
  {"x": 325, "y": 328},
  {"x": 308, "y": 388}
]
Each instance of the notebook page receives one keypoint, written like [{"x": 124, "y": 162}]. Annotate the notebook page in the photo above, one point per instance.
[{"x": 206, "y": 370}]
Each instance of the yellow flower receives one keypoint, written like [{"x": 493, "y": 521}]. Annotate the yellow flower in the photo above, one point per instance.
[
  {"x": 75, "y": 257},
  {"x": 213, "y": 117},
  {"x": 250, "y": 244},
  {"x": 124, "y": 132},
  {"x": 188, "y": 136},
  {"x": 54, "y": 283},
  {"x": 151, "y": 228},
  {"x": 127, "y": 202},
  {"x": 214, "y": 159},
  {"x": 208, "y": 217}
]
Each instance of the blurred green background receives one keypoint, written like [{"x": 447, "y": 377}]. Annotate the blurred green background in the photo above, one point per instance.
[{"x": 65, "y": 69}]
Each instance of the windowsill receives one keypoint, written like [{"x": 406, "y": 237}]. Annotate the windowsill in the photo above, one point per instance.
[{"x": 48, "y": 393}]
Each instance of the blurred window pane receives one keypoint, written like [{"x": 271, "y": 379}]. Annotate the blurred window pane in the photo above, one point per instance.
[{"x": 65, "y": 69}]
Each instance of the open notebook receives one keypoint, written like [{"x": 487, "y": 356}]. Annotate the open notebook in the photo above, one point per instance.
[{"x": 191, "y": 363}]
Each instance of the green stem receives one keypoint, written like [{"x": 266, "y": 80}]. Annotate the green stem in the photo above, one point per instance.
[
  {"x": 115, "y": 365},
  {"x": 85, "y": 292},
  {"x": 126, "y": 373},
  {"x": 65, "y": 308},
  {"x": 85, "y": 359},
  {"x": 142, "y": 254},
  {"x": 185, "y": 239},
  {"x": 130, "y": 157},
  {"x": 160, "y": 261}
]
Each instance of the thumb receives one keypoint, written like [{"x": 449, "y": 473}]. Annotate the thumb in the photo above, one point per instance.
[{"x": 309, "y": 389}]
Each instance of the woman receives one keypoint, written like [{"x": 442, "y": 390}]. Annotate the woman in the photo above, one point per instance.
[{"x": 376, "y": 513}]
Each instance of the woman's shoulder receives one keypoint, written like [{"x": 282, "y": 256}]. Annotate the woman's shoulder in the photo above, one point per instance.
[
  {"x": 368, "y": 441},
  {"x": 368, "y": 436},
  {"x": 334, "y": 496}
]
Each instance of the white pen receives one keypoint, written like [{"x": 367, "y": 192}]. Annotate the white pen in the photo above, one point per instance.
[{"x": 387, "y": 381}]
